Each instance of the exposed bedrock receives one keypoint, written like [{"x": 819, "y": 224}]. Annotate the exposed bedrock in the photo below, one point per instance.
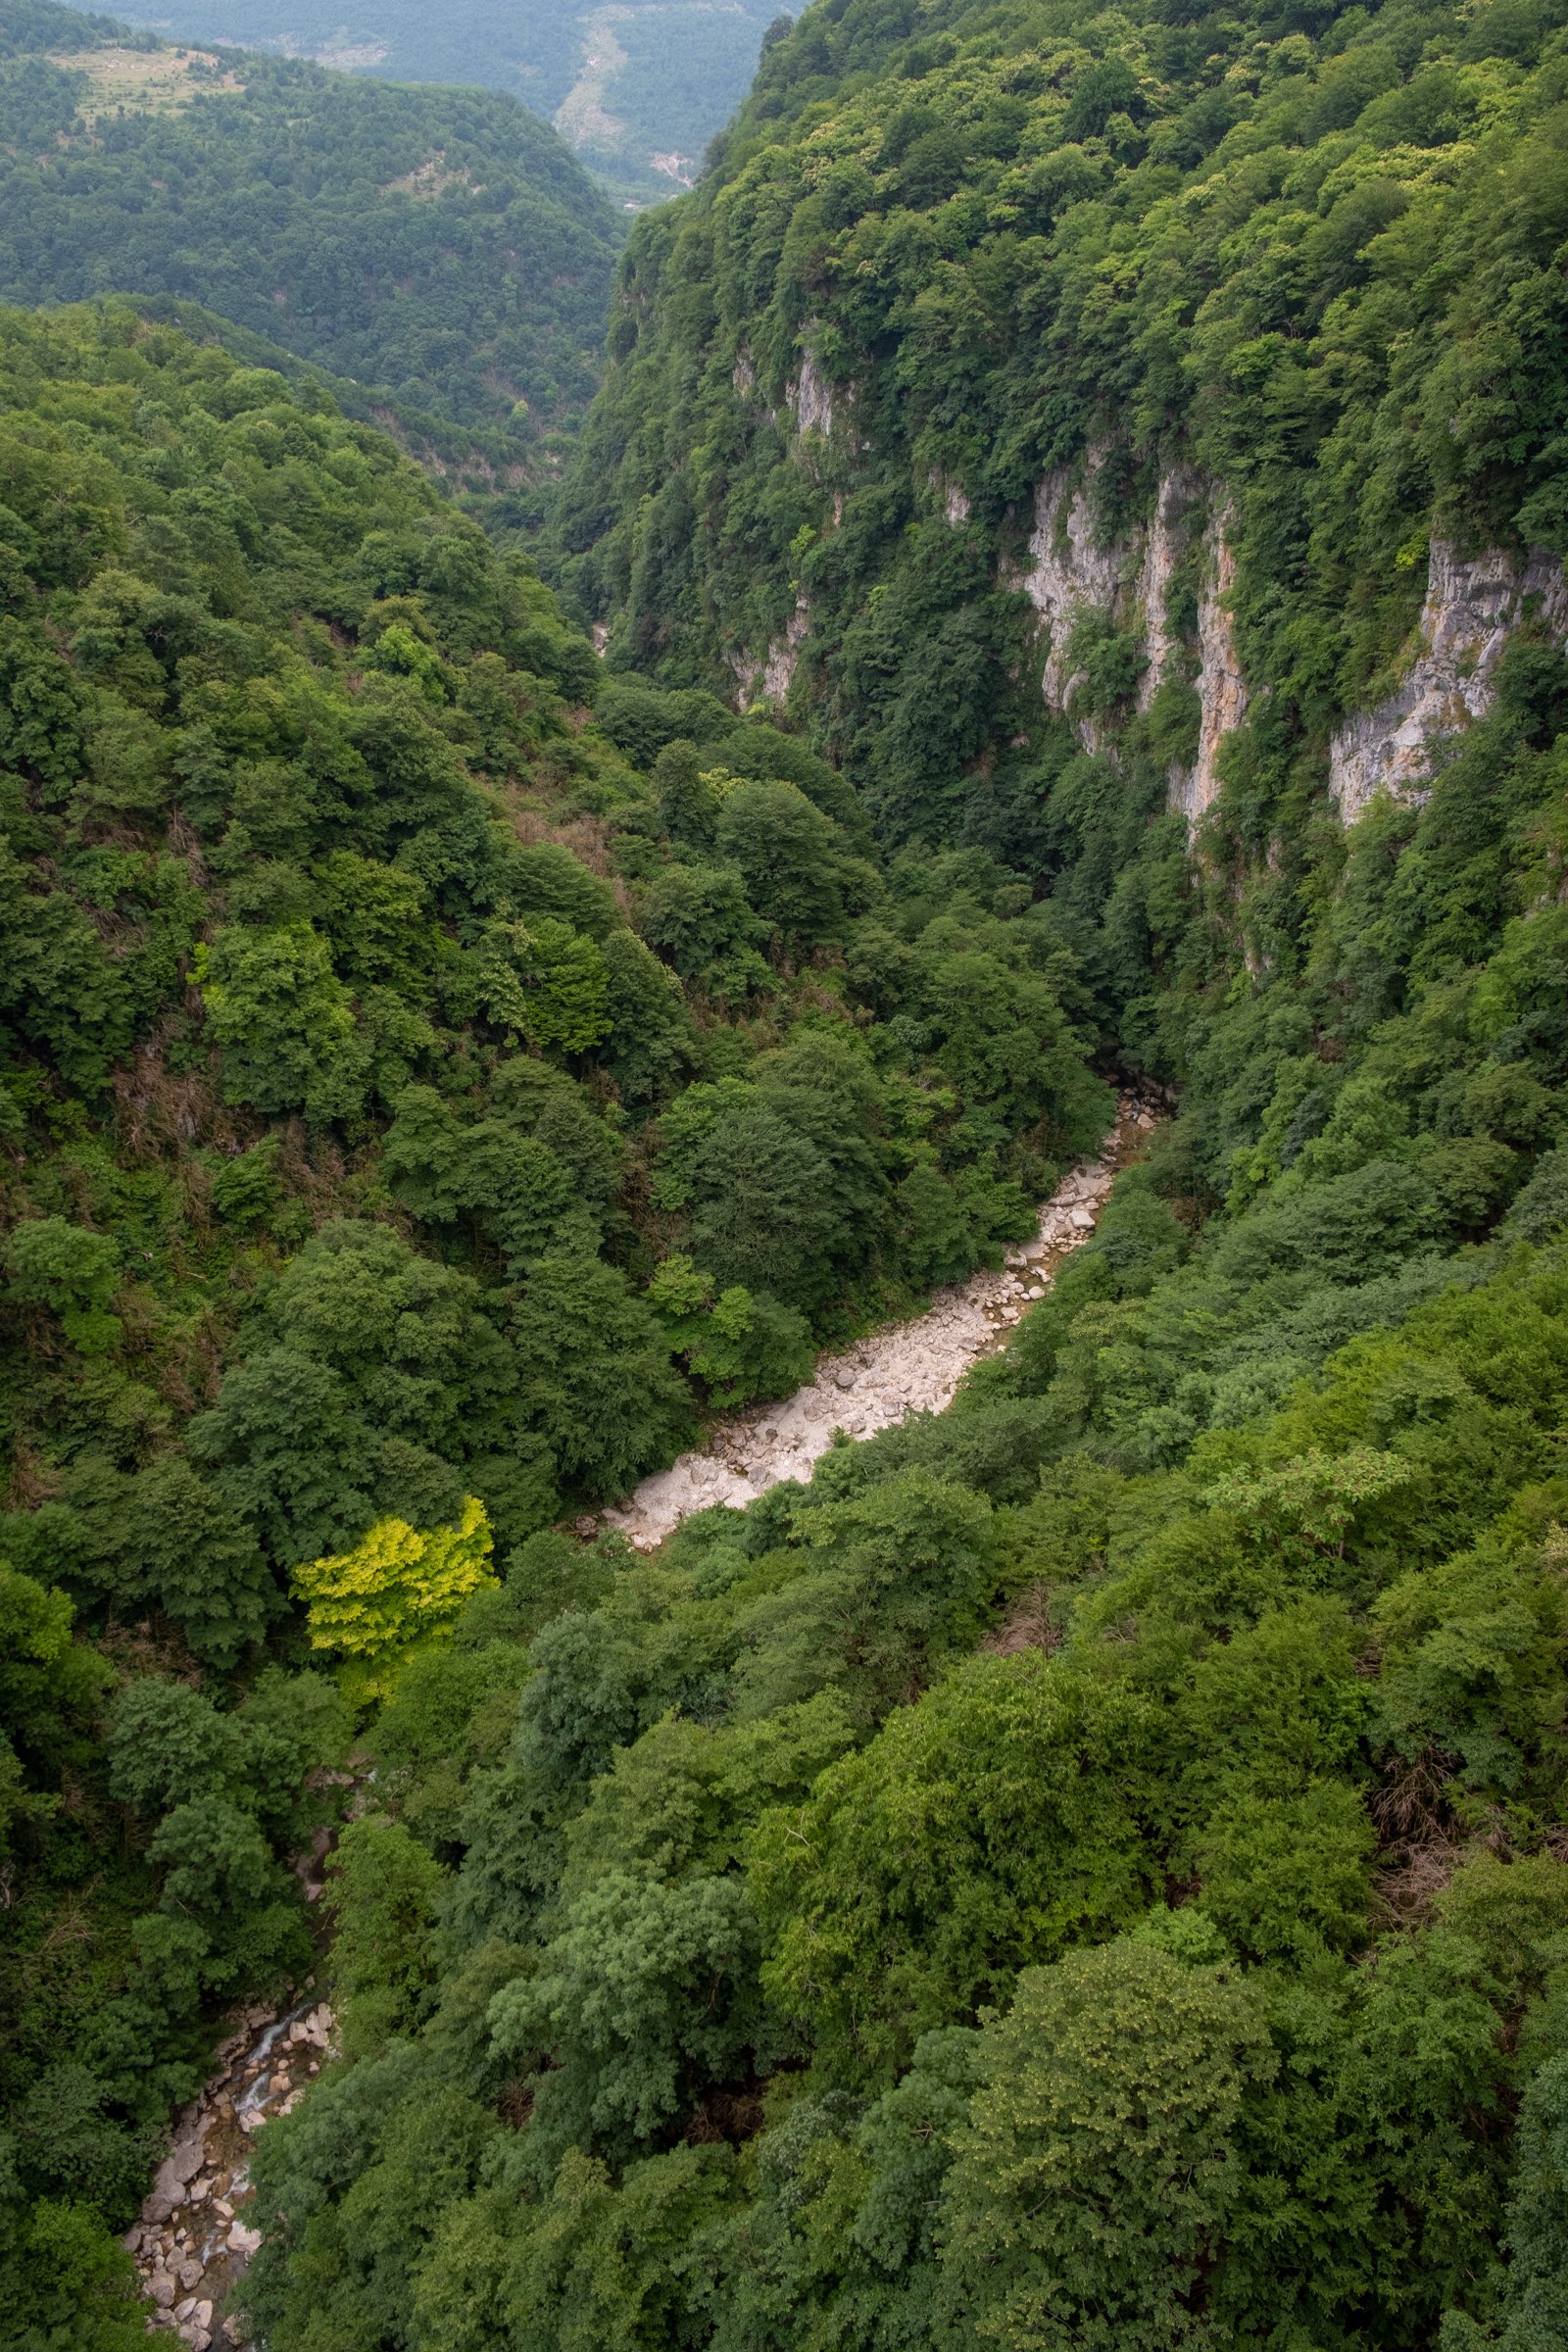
[
  {"x": 1473, "y": 606},
  {"x": 1169, "y": 581}
]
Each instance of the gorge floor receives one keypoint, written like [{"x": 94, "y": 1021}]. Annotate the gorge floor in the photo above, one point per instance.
[{"x": 192, "y": 2242}]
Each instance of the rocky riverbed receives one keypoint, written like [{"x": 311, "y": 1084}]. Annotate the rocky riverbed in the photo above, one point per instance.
[
  {"x": 193, "y": 2241},
  {"x": 912, "y": 1367}
]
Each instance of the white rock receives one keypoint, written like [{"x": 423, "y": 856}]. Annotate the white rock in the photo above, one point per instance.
[
  {"x": 1473, "y": 606},
  {"x": 913, "y": 1367},
  {"x": 244, "y": 2241}
]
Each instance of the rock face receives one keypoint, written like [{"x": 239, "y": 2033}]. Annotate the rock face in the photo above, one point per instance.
[
  {"x": 810, "y": 398},
  {"x": 778, "y": 671},
  {"x": 1169, "y": 529},
  {"x": 191, "y": 2244},
  {"x": 1072, "y": 572},
  {"x": 911, "y": 1368},
  {"x": 1473, "y": 606},
  {"x": 1221, "y": 687},
  {"x": 1075, "y": 571}
]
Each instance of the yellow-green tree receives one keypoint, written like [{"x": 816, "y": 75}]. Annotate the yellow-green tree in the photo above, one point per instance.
[{"x": 398, "y": 1587}]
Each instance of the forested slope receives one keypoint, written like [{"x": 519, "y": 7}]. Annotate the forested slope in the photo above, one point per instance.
[
  {"x": 441, "y": 248},
  {"x": 1089, "y": 1870},
  {"x": 638, "y": 90},
  {"x": 1177, "y": 368},
  {"x": 417, "y": 1101}
]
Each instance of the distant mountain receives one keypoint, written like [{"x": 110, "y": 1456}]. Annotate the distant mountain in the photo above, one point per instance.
[
  {"x": 637, "y": 87},
  {"x": 440, "y": 248}
]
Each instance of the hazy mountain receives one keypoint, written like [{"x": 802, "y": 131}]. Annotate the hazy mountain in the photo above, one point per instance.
[
  {"x": 638, "y": 87},
  {"x": 440, "y": 248}
]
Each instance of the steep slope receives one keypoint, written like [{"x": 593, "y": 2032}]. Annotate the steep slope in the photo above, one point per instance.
[
  {"x": 418, "y": 1103},
  {"x": 637, "y": 87},
  {"x": 1087, "y": 1870},
  {"x": 440, "y": 248},
  {"x": 1202, "y": 374}
]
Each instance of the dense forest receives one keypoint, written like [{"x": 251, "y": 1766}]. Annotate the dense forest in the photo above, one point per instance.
[
  {"x": 1087, "y": 1870},
  {"x": 417, "y": 1099},
  {"x": 626, "y": 84},
  {"x": 1304, "y": 263},
  {"x": 441, "y": 249}
]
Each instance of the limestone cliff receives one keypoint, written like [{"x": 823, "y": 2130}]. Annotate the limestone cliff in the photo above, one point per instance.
[
  {"x": 1473, "y": 606},
  {"x": 1075, "y": 571}
]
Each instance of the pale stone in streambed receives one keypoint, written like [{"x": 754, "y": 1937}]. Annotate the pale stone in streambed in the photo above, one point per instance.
[{"x": 911, "y": 1367}]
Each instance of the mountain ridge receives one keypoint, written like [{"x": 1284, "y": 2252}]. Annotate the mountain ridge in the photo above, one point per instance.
[{"x": 441, "y": 247}]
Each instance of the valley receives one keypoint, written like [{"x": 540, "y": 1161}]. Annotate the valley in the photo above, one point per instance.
[
  {"x": 784, "y": 1179},
  {"x": 637, "y": 89},
  {"x": 908, "y": 1368}
]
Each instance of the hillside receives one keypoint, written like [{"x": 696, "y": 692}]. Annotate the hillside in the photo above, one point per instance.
[
  {"x": 1075, "y": 513},
  {"x": 1172, "y": 370},
  {"x": 415, "y": 1101},
  {"x": 439, "y": 248},
  {"x": 637, "y": 88}
]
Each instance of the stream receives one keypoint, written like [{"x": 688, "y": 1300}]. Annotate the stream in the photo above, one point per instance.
[{"x": 192, "y": 2241}]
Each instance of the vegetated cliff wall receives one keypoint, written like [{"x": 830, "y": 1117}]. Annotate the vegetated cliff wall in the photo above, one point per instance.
[
  {"x": 1080, "y": 573},
  {"x": 1473, "y": 606},
  {"x": 1076, "y": 573}
]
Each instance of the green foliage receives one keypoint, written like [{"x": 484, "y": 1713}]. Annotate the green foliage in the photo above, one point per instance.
[
  {"x": 381, "y": 1888},
  {"x": 1532, "y": 2292},
  {"x": 544, "y": 984},
  {"x": 598, "y": 1387},
  {"x": 992, "y": 1823},
  {"x": 72, "y": 1273},
  {"x": 447, "y": 255},
  {"x": 399, "y": 1587},
  {"x": 738, "y": 1346},
  {"x": 1098, "y": 2165},
  {"x": 645, "y": 1991},
  {"x": 65, "y": 2281},
  {"x": 279, "y": 1017}
]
